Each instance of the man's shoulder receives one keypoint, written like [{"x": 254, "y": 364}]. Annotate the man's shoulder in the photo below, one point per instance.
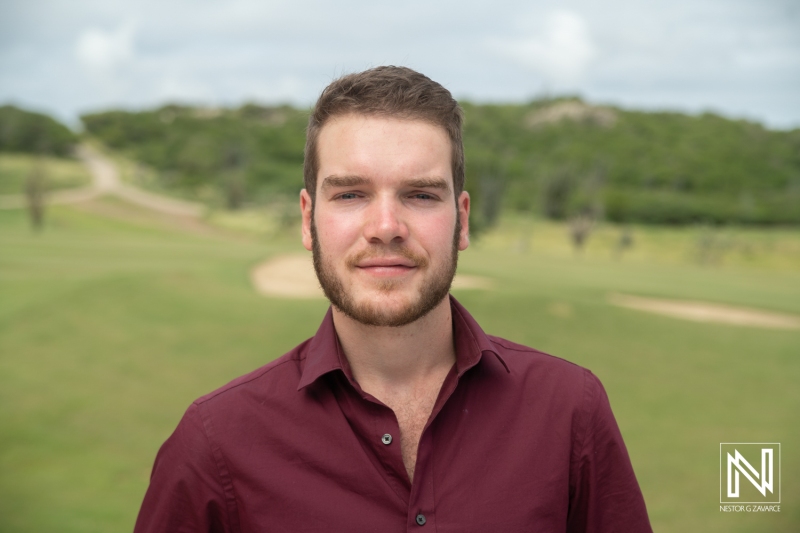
[
  {"x": 535, "y": 369},
  {"x": 516, "y": 359},
  {"x": 276, "y": 377},
  {"x": 519, "y": 354}
]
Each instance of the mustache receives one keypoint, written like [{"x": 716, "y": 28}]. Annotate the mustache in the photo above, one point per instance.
[{"x": 369, "y": 253}]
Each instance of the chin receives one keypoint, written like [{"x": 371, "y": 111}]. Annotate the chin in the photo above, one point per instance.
[
  {"x": 390, "y": 303},
  {"x": 387, "y": 310}
]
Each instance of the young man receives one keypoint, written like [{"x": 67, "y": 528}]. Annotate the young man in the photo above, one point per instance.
[{"x": 400, "y": 413}]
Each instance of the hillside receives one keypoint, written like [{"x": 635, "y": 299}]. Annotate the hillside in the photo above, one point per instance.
[
  {"x": 23, "y": 131},
  {"x": 561, "y": 158}
]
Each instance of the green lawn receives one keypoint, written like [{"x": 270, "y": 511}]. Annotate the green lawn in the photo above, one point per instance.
[
  {"x": 111, "y": 326},
  {"x": 59, "y": 173}
]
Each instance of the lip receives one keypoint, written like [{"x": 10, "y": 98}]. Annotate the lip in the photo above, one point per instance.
[
  {"x": 389, "y": 271},
  {"x": 386, "y": 267},
  {"x": 386, "y": 262}
]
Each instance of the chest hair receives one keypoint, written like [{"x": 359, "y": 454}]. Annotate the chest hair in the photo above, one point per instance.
[{"x": 412, "y": 414}]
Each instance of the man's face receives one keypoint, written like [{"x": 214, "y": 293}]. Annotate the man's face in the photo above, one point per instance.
[{"x": 385, "y": 229}]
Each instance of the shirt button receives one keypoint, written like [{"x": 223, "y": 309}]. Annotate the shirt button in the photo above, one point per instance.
[
  {"x": 386, "y": 439},
  {"x": 421, "y": 519}
]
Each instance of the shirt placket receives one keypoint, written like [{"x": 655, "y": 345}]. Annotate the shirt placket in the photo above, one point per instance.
[
  {"x": 378, "y": 426},
  {"x": 422, "y": 501},
  {"x": 421, "y": 505},
  {"x": 379, "y": 432}
]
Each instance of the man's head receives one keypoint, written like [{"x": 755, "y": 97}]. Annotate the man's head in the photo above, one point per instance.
[
  {"x": 396, "y": 92},
  {"x": 384, "y": 210}
]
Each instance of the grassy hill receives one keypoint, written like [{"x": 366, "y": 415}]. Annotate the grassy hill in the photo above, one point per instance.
[
  {"x": 629, "y": 166},
  {"x": 36, "y": 151},
  {"x": 226, "y": 156},
  {"x": 561, "y": 158},
  {"x": 58, "y": 172},
  {"x": 25, "y": 131}
]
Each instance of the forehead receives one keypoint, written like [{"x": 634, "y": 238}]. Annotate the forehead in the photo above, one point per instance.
[{"x": 379, "y": 147}]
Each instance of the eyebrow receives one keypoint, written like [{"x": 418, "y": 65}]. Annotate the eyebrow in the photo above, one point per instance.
[
  {"x": 343, "y": 181},
  {"x": 429, "y": 183},
  {"x": 354, "y": 181}
]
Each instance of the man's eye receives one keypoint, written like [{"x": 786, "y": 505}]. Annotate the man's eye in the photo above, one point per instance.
[
  {"x": 348, "y": 196},
  {"x": 423, "y": 196}
]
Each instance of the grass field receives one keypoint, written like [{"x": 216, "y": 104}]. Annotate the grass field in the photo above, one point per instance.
[
  {"x": 58, "y": 173},
  {"x": 113, "y": 321}
]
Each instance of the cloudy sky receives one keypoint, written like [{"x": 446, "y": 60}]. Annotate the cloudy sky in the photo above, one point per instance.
[{"x": 740, "y": 58}]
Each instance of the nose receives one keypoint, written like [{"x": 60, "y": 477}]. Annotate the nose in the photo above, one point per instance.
[{"x": 385, "y": 223}]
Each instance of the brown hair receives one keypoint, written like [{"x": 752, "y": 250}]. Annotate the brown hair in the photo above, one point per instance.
[{"x": 386, "y": 91}]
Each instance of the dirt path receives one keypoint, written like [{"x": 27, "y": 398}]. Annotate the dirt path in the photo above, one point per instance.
[
  {"x": 292, "y": 276},
  {"x": 106, "y": 181},
  {"x": 707, "y": 312}
]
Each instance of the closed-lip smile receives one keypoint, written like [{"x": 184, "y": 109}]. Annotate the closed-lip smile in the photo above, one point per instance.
[
  {"x": 386, "y": 266},
  {"x": 386, "y": 262}
]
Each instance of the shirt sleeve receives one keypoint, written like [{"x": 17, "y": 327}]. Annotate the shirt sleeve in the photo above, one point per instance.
[
  {"x": 604, "y": 494},
  {"x": 185, "y": 492}
]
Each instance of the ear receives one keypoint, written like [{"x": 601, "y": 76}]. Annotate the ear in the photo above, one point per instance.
[
  {"x": 306, "y": 205},
  {"x": 463, "y": 215}
]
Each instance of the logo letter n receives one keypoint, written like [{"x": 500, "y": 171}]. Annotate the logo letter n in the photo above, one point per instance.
[{"x": 738, "y": 464}]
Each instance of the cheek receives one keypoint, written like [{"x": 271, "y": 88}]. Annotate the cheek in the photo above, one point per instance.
[
  {"x": 336, "y": 233},
  {"x": 437, "y": 232}
]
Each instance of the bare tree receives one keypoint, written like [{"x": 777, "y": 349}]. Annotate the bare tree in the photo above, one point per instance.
[
  {"x": 585, "y": 203},
  {"x": 624, "y": 242},
  {"x": 233, "y": 163},
  {"x": 34, "y": 193},
  {"x": 579, "y": 228}
]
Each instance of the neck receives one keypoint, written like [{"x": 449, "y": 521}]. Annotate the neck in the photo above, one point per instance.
[{"x": 397, "y": 358}]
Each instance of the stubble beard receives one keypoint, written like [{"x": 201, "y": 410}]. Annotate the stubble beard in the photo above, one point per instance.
[{"x": 434, "y": 289}]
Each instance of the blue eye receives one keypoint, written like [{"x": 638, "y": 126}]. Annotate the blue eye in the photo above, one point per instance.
[
  {"x": 423, "y": 196},
  {"x": 348, "y": 196}
]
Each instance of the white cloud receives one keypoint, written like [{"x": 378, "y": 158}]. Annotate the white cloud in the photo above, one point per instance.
[
  {"x": 560, "y": 50},
  {"x": 737, "y": 56},
  {"x": 173, "y": 88},
  {"x": 282, "y": 89},
  {"x": 101, "y": 51}
]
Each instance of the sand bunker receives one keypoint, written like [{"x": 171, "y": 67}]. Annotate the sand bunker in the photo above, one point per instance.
[
  {"x": 707, "y": 312},
  {"x": 292, "y": 276}
]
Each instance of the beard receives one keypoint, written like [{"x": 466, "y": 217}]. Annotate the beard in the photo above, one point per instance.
[{"x": 433, "y": 290}]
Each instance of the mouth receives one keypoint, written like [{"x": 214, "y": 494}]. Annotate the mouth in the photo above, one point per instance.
[{"x": 386, "y": 266}]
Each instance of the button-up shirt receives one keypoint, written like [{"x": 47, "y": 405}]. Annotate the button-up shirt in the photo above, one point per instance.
[{"x": 518, "y": 440}]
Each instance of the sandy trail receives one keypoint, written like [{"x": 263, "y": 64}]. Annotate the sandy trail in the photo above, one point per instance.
[
  {"x": 106, "y": 181},
  {"x": 292, "y": 276},
  {"x": 708, "y": 312}
]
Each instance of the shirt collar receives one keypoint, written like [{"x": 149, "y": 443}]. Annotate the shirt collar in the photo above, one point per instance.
[{"x": 324, "y": 352}]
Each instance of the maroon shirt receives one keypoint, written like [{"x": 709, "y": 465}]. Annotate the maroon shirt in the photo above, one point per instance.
[{"x": 517, "y": 441}]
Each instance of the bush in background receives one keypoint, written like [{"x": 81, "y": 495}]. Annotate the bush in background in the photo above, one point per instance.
[{"x": 33, "y": 133}]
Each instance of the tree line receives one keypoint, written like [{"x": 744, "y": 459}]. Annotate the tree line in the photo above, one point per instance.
[
  {"x": 560, "y": 157},
  {"x": 35, "y": 133}
]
